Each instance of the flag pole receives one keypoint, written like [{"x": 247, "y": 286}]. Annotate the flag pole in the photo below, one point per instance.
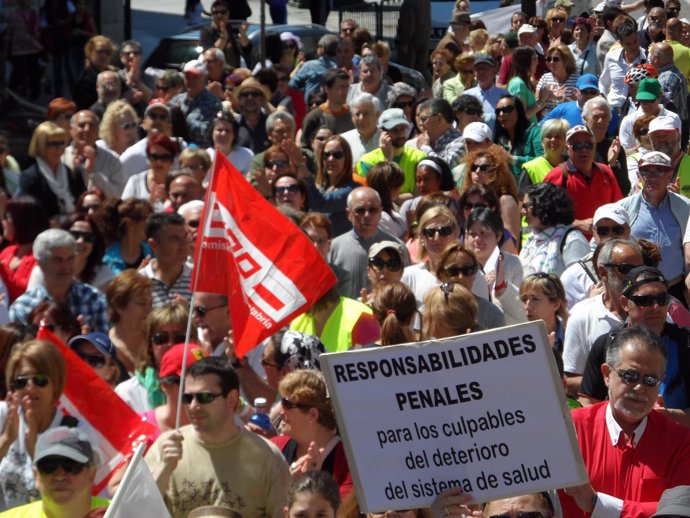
[
  {"x": 208, "y": 211},
  {"x": 129, "y": 473}
]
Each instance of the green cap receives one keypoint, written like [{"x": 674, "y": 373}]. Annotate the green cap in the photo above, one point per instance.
[{"x": 649, "y": 89}]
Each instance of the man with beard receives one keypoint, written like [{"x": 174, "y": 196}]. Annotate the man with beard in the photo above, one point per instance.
[
  {"x": 632, "y": 453},
  {"x": 594, "y": 316},
  {"x": 665, "y": 137},
  {"x": 213, "y": 461},
  {"x": 646, "y": 299},
  {"x": 654, "y": 32}
]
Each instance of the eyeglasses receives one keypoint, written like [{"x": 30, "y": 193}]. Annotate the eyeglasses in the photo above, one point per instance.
[
  {"x": 276, "y": 163},
  {"x": 631, "y": 377},
  {"x": 622, "y": 268},
  {"x": 615, "y": 230},
  {"x": 49, "y": 465},
  {"x": 402, "y": 106},
  {"x": 201, "y": 311},
  {"x": 579, "y": 146},
  {"x": 284, "y": 189},
  {"x": 160, "y": 158},
  {"x": 88, "y": 237},
  {"x": 444, "y": 231},
  {"x": 506, "y": 109},
  {"x": 361, "y": 211},
  {"x": 93, "y": 360},
  {"x": 219, "y": 12},
  {"x": 55, "y": 143},
  {"x": 453, "y": 270},
  {"x": 334, "y": 154},
  {"x": 21, "y": 382},
  {"x": 472, "y": 111},
  {"x": 162, "y": 88},
  {"x": 392, "y": 265},
  {"x": 557, "y": 19},
  {"x": 128, "y": 125},
  {"x": 157, "y": 116},
  {"x": 529, "y": 514},
  {"x": 289, "y": 405},
  {"x": 654, "y": 173},
  {"x": 478, "y": 205},
  {"x": 244, "y": 95},
  {"x": 203, "y": 398},
  {"x": 164, "y": 338},
  {"x": 554, "y": 59},
  {"x": 481, "y": 168},
  {"x": 646, "y": 301}
]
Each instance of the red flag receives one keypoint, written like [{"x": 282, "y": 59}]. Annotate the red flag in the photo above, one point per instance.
[
  {"x": 113, "y": 427},
  {"x": 267, "y": 267}
]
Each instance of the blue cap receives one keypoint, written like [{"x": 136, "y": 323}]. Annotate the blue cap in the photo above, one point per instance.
[
  {"x": 99, "y": 340},
  {"x": 587, "y": 81}
]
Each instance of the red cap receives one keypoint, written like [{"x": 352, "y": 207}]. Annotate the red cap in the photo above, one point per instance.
[{"x": 171, "y": 363}]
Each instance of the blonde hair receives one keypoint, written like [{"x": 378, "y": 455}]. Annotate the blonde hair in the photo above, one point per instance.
[
  {"x": 429, "y": 214},
  {"x": 113, "y": 113},
  {"x": 45, "y": 357},
  {"x": 175, "y": 313},
  {"x": 307, "y": 387},
  {"x": 550, "y": 285},
  {"x": 44, "y": 132},
  {"x": 478, "y": 39},
  {"x": 452, "y": 305}
]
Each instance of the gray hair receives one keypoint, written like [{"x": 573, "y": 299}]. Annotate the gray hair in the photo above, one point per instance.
[
  {"x": 595, "y": 102},
  {"x": 329, "y": 43},
  {"x": 286, "y": 117},
  {"x": 554, "y": 127},
  {"x": 371, "y": 60},
  {"x": 49, "y": 239},
  {"x": 365, "y": 97},
  {"x": 398, "y": 90},
  {"x": 639, "y": 337},
  {"x": 217, "y": 53},
  {"x": 189, "y": 206},
  {"x": 606, "y": 250}
]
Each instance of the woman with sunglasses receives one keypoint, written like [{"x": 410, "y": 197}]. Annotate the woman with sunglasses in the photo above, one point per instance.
[
  {"x": 384, "y": 266},
  {"x": 561, "y": 78},
  {"x": 149, "y": 185},
  {"x": 288, "y": 190},
  {"x": 491, "y": 168},
  {"x": 515, "y": 133},
  {"x": 555, "y": 21},
  {"x": 482, "y": 197},
  {"x": 554, "y": 244},
  {"x": 165, "y": 326},
  {"x": 118, "y": 129},
  {"x": 36, "y": 375},
  {"x": 525, "y": 64},
  {"x": 543, "y": 298},
  {"x": 459, "y": 264},
  {"x": 221, "y": 34},
  {"x": 329, "y": 191},
  {"x": 276, "y": 162},
  {"x": 308, "y": 430},
  {"x": 503, "y": 271},
  {"x": 584, "y": 51},
  {"x": 224, "y": 130},
  {"x": 129, "y": 297}
]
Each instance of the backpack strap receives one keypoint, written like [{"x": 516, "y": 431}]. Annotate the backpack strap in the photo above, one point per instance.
[
  {"x": 583, "y": 263},
  {"x": 565, "y": 235}
]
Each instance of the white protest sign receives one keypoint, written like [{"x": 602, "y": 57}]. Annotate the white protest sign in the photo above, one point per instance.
[{"x": 484, "y": 411}]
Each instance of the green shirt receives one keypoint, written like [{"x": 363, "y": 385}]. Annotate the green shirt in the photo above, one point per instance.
[
  {"x": 519, "y": 89},
  {"x": 407, "y": 160},
  {"x": 35, "y": 509}
]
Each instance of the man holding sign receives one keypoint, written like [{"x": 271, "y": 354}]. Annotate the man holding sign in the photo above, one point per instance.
[{"x": 631, "y": 452}]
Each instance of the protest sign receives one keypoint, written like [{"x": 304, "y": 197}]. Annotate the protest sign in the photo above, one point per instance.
[{"x": 484, "y": 411}]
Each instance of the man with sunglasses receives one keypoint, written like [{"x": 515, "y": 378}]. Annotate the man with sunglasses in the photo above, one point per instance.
[
  {"x": 213, "y": 460},
  {"x": 631, "y": 452},
  {"x": 659, "y": 215},
  {"x": 250, "y": 99},
  {"x": 646, "y": 300},
  {"x": 589, "y": 184},
  {"x": 99, "y": 167},
  {"x": 65, "y": 470},
  {"x": 654, "y": 30}
]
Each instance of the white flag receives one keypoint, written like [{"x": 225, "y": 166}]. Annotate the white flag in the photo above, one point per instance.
[{"x": 138, "y": 494}]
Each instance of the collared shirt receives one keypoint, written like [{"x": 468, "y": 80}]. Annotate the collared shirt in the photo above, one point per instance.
[
  {"x": 489, "y": 99},
  {"x": 659, "y": 225},
  {"x": 675, "y": 88},
  {"x": 615, "y": 429},
  {"x": 612, "y": 79},
  {"x": 164, "y": 294},
  {"x": 82, "y": 299},
  {"x": 450, "y": 147},
  {"x": 310, "y": 76},
  {"x": 627, "y": 138},
  {"x": 199, "y": 113},
  {"x": 358, "y": 145}
]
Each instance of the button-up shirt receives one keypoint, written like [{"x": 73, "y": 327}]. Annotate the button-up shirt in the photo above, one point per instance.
[
  {"x": 612, "y": 79},
  {"x": 450, "y": 147},
  {"x": 199, "y": 113}
]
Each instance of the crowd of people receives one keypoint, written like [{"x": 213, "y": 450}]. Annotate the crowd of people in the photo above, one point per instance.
[{"x": 543, "y": 175}]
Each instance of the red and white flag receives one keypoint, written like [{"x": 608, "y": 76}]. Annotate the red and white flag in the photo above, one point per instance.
[
  {"x": 112, "y": 426},
  {"x": 267, "y": 267}
]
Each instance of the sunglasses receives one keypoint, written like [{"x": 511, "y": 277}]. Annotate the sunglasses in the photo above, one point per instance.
[
  {"x": 164, "y": 338},
  {"x": 616, "y": 230},
  {"x": 201, "y": 311},
  {"x": 93, "y": 360},
  {"x": 49, "y": 465},
  {"x": 506, "y": 109},
  {"x": 203, "y": 398},
  {"x": 193, "y": 223},
  {"x": 557, "y": 19},
  {"x": 579, "y": 146},
  {"x": 158, "y": 116},
  {"x": 654, "y": 173},
  {"x": 347, "y": 29},
  {"x": 482, "y": 168},
  {"x": 402, "y": 106},
  {"x": 276, "y": 163},
  {"x": 21, "y": 382},
  {"x": 361, "y": 211},
  {"x": 631, "y": 377},
  {"x": 444, "y": 231},
  {"x": 478, "y": 205},
  {"x": 289, "y": 405},
  {"x": 160, "y": 158},
  {"x": 657, "y": 18},
  {"x": 554, "y": 59},
  {"x": 334, "y": 154},
  {"x": 646, "y": 301},
  {"x": 284, "y": 189},
  {"x": 244, "y": 95},
  {"x": 622, "y": 268},
  {"x": 466, "y": 271},
  {"x": 392, "y": 265},
  {"x": 88, "y": 237},
  {"x": 472, "y": 111},
  {"x": 56, "y": 143},
  {"x": 128, "y": 125},
  {"x": 529, "y": 514}
]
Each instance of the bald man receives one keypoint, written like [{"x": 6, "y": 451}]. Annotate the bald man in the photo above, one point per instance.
[
  {"x": 681, "y": 53},
  {"x": 673, "y": 83}
]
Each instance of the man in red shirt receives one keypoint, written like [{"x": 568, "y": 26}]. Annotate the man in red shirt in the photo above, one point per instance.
[
  {"x": 589, "y": 184},
  {"x": 631, "y": 451}
]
